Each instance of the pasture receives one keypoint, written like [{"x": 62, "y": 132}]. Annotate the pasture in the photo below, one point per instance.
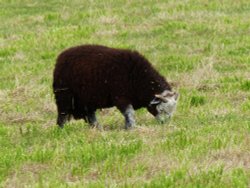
[{"x": 201, "y": 47}]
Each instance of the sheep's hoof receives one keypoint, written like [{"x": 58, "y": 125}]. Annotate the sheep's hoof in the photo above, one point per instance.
[
  {"x": 97, "y": 126},
  {"x": 130, "y": 127},
  {"x": 60, "y": 126}
]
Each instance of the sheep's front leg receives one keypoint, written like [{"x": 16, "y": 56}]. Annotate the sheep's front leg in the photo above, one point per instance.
[{"x": 128, "y": 113}]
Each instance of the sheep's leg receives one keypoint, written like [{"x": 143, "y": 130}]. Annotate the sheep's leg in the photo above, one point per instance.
[
  {"x": 127, "y": 110},
  {"x": 128, "y": 113},
  {"x": 62, "y": 118},
  {"x": 91, "y": 119},
  {"x": 64, "y": 102}
]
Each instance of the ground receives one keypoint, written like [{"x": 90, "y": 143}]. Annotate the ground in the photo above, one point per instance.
[{"x": 201, "y": 47}]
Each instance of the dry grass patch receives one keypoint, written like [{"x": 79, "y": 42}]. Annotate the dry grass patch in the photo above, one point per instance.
[
  {"x": 237, "y": 98},
  {"x": 228, "y": 158},
  {"x": 108, "y": 20},
  {"x": 21, "y": 118},
  {"x": 232, "y": 158},
  {"x": 109, "y": 33},
  {"x": 142, "y": 168},
  {"x": 154, "y": 164},
  {"x": 19, "y": 56},
  {"x": 3, "y": 95},
  {"x": 49, "y": 107},
  {"x": 26, "y": 175},
  {"x": 202, "y": 73}
]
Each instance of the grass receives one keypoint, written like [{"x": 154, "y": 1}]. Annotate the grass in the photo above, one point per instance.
[{"x": 201, "y": 47}]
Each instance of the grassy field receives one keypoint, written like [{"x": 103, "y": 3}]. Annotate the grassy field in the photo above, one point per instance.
[{"x": 201, "y": 47}]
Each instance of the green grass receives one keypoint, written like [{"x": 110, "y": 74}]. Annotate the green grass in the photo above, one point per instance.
[{"x": 202, "y": 47}]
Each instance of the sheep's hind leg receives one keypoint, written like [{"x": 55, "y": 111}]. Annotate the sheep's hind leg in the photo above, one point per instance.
[
  {"x": 62, "y": 118},
  {"x": 64, "y": 102},
  {"x": 91, "y": 119}
]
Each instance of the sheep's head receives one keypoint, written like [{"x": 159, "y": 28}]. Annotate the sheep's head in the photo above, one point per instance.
[{"x": 163, "y": 105}]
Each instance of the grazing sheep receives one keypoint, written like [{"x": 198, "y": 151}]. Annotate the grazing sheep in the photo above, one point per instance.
[{"x": 90, "y": 77}]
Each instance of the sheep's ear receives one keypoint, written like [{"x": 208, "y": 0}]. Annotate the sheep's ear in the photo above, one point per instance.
[
  {"x": 155, "y": 101},
  {"x": 161, "y": 97},
  {"x": 165, "y": 95}
]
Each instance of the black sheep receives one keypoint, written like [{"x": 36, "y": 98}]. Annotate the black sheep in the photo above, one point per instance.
[{"x": 90, "y": 77}]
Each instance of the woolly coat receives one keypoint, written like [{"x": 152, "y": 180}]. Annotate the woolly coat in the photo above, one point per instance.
[{"x": 90, "y": 77}]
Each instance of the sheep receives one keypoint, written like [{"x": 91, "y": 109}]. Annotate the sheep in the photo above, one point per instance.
[{"x": 91, "y": 77}]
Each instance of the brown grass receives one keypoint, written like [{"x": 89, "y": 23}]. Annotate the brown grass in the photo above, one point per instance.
[
  {"x": 25, "y": 175},
  {"x": 228, "y": 158},
  {"x": 202, "y": 73}
]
